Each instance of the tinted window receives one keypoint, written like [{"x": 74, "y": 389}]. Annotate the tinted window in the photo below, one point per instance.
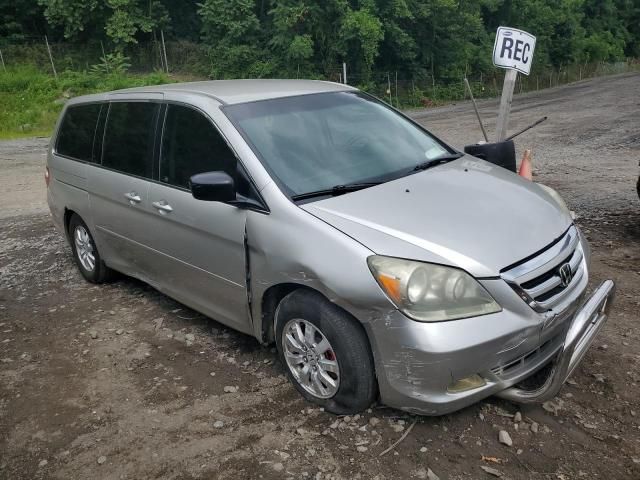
[
  {"x": 190, "y": 145},
  {"x": 129, "y": 137},
  {"x": 76, "y": 132}
]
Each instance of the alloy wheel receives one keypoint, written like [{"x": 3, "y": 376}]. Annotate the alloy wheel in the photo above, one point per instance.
[
  {"x": 310, "y": 358},
  {"x": 84, "y": 248}
]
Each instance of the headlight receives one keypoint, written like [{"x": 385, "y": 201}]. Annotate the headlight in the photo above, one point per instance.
[
  {"x": 429, "y": 292},
  {"x": 556, "y": 196}
]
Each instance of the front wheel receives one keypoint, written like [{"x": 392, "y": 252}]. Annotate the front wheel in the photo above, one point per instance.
[{"x": 325, "y": 352}]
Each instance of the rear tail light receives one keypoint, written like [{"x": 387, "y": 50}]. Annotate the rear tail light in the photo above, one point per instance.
[{"x": 47, "y": 175}]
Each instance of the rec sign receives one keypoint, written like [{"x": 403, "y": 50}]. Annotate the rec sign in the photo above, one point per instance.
[{"x": 514, "y": 49}]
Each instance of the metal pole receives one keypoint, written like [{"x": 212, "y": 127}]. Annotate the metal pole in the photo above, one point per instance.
[
  {"x": 55, "y": 74},
  {"x": 505, "y": 104},
  {"x": 344, "y": 72},
  {"x": 537, "y": 122},
  {"x": 397, "y": 103},
  {"x": 2, "y": 61},
  {"x": 389, "y": 89},
  {"x": 164, "y": 48},
  {"x": 104, "y": 57},
  {"x": 475, "y": 107}
]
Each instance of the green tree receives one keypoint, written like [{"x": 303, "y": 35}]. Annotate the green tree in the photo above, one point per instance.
[
  {"x": 231, "y": 30},
  {"x": 360, "y": 36},
  {"x": 125, "y": 21},
  {"x": 72, "y": 15},
  {"x": 120, "y": 21},
  {"x": 306, "y": 30}
]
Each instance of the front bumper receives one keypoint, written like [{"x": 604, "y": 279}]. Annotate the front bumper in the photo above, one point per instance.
[
  {"x": 583, "y": 330},
  {"x": 416, "y": 362}
]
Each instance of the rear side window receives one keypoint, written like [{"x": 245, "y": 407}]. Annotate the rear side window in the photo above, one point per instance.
[
  {"x": 77, "y": 130},
  {"x": 129, "y": 137},
  {"x": 190, "y": 145}
]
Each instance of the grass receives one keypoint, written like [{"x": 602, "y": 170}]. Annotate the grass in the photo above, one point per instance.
[{"x": 31, "y": 100}]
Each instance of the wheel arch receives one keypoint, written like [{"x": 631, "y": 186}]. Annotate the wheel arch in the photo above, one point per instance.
[
  {"x": 269, "y": 304},
  {"x": 276, "y": 293},
  {"x": 68, "y": 213}
]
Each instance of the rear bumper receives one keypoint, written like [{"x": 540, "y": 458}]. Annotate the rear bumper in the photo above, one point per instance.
[{"x": 585, "y": 326}]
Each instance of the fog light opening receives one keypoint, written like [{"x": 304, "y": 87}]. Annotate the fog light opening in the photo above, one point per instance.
[{"x": 467, "y": 383}]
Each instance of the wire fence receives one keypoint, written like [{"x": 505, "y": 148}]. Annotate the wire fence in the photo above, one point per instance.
[
  {"x": 188, "y": 60},
  {"x": 400, "y": 89}
]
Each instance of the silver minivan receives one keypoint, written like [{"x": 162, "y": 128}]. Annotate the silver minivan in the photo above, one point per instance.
[{"x": 383, "y": 263}]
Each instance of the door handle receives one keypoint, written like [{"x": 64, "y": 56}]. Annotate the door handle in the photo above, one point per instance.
[
  {"x": 133, "y": 197},
  {"x": 163, "y": 207}
]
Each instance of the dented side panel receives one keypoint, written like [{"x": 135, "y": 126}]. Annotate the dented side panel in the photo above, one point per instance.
[{"x": 291, "y": 246}]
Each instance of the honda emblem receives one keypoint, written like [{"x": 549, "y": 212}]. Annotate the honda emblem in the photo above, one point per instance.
[{"x": 566, "y": 275}]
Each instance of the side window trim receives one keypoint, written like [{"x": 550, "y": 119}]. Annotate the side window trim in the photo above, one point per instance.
[
  {"x": 99, "y": 132},
  {"x": 104, "y": 131},
  {"x": 157, "y": 144},
  {"x": 158, "y": 160}
]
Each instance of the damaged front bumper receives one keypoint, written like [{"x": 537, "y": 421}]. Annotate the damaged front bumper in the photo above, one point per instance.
[
  {"x": 418, "y": 362},
  {"x": 585, "y": 326}
]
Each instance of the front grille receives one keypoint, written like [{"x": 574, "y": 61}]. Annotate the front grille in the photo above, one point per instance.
[{"x": 539, "y": 280}]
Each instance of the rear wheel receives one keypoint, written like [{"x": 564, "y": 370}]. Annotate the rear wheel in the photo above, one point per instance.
[
  {"x": 85, "y": 253},
  {"x": 325, "y": 352}
]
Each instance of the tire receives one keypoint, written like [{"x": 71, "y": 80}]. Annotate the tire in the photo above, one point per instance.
[
  {"x": 85, "y": 252},
  {"x": 354, "y": 385}
]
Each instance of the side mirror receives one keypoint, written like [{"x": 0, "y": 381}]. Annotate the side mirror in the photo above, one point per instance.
[{"x": 213, "y": 187}]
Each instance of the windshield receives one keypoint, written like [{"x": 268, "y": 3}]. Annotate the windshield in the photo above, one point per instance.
[{"x": 315, "y": 142}]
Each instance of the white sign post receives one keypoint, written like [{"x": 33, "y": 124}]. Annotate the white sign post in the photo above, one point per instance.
[{"x": 513, "y": 50}]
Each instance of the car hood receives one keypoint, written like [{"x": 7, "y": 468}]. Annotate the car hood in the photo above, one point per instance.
[{"x": 466, "y": 213}]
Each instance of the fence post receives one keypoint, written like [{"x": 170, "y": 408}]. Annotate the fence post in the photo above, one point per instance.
[
  {"x": 55, "y": 74},
  {"x": 433, "y": 84},
  {"x": 344, "y": 72},
  {"x": 389, "y": 88},
  {"x": 397, "y": 103},
  {"x": 2, "y": 61},
  {"x": 164, "y": 48}
]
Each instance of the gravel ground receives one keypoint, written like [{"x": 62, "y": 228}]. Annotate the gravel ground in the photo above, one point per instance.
[{"x": 119, "y": 381}]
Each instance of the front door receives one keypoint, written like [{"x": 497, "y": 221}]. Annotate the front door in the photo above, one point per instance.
[{"x": 200, "y": 245}]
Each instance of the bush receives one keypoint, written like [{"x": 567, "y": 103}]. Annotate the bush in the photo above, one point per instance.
[{"x": 111, "y": 63}]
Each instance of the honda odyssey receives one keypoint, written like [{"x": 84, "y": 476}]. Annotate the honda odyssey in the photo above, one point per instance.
[{"x": 383, "y": 263}]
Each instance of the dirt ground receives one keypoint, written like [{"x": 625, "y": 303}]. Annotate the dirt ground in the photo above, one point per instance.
[{"x": 119, "y": 381}]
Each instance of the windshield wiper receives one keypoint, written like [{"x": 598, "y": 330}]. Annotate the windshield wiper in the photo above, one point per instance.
[
  {"x": 437, "y": 161},
  {"x": 335, "y": 190}
]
